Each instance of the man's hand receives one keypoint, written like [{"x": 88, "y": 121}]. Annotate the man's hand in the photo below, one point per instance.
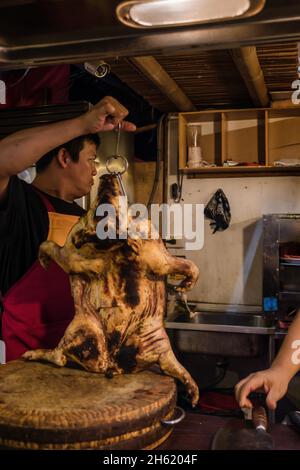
[
  {"x": 273, "y": 381},
  {"x": 105, "y": 116}
]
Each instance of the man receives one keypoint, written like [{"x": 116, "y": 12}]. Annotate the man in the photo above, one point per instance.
[
  {"x": 274, "y": 381},
  {"x": 37, "y": 305}
]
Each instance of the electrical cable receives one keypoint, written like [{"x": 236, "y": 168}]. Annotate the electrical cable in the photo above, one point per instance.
[
  {"x": 179, "y": 182},
  {"x": 180, "y": 186},
  {"x": 158, "y": 159},
  {"x": 19, "y": 79},
  {"x": 217, "y": 380}
]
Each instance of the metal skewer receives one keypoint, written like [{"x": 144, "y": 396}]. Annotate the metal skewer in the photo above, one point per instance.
[
  {"x": 116, "y": 158},
  {"x": 118, "y": 138}
]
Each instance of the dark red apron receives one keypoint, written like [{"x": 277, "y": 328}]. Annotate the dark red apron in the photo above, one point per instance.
[{"x": 38, "y": 308}]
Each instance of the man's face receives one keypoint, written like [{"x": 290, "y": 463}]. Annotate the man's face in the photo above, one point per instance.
[{"x": 83, "y": 172}]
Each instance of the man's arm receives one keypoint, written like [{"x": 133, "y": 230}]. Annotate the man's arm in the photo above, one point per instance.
[
  {"x": 22, "y": 149},
  {"x": 274, "y": 381}
]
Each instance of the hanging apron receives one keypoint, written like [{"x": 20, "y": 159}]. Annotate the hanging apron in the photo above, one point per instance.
[{"x": 39, "y": 307}]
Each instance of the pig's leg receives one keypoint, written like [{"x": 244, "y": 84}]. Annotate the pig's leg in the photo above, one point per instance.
[
  {"x": 84, "y": 340},
  {"x": 170, "y": 366},
  {"x": 156, "y": 259},
  {"x": 155, "y": 347},
  {"x": 186, "y": 268},
  {"x": 83, "y": 343},
  {"x": 69, "y": 260},
  {"x": 56, "y": 356}
]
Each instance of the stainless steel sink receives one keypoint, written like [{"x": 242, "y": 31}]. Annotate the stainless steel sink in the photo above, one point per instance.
[
  {"x": 221, "y": 333},
  {"x": 224, "y": 322}
]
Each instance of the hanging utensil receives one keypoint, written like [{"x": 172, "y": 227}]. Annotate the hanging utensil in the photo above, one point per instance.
[{"x": 116, "y": 164}]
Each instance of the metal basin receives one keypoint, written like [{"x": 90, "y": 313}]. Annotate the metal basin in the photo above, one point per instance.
[{"x": 222, "y": 333}]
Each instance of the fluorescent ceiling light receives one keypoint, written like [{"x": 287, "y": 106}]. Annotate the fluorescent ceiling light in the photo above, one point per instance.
[{"x": 166, "y": 13}]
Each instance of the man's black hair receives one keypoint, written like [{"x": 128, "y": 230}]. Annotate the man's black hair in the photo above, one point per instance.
[{"x": 73, "y": 147}]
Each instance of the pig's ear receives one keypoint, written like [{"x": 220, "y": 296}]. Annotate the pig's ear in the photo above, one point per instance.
[{"x": 135, "y": 244}]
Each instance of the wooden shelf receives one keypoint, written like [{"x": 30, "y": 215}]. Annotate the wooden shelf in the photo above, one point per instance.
[
  {"x": 243, "y": 171},
  {"x": 259, "y": 135}
]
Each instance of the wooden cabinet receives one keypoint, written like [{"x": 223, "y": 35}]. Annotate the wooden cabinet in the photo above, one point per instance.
[{"x": 256, "y": 138}]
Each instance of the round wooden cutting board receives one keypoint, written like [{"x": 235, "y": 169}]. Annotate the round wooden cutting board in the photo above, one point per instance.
[{"x": 46, "y": 407}]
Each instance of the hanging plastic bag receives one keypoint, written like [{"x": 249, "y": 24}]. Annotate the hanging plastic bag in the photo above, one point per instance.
[{"x": 218, "y": 209}]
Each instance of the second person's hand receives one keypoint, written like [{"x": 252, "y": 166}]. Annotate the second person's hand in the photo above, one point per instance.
[{"x": 272, "y": 381}]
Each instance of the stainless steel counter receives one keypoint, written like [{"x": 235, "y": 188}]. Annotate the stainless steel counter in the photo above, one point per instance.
[
  {"x": 225, "y": 333},
  {"x": 226, "y": 322}
]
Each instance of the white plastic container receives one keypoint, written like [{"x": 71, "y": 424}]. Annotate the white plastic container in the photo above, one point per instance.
[{"x": 194, "y": 157}]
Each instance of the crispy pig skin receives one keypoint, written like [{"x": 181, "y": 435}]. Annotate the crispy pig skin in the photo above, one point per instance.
[{"x": 118, "y": 288}]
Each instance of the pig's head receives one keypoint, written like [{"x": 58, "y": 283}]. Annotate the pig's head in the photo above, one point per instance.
[
  {"x": 103, "y": 215},
  {"x": 108, "y": 191}
]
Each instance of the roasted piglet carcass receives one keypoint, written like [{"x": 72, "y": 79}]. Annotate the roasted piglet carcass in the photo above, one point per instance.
[{"x": 118, "y": 288}]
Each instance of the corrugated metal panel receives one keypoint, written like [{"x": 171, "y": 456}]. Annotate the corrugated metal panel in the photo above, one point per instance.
[
  {"x": 15, "y": 119},
  {"x": 279, "y": 64},
  {"x": 126, "y": 72},
  {"x": 210, "y": 78}
]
